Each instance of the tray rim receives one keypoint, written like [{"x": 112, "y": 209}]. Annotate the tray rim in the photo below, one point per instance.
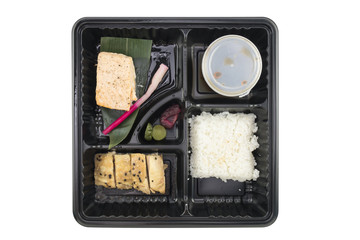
[{"x": 269, "y": 219}]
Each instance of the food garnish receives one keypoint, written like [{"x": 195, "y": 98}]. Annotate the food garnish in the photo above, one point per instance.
[
  {"x": 148, "y": 132},
  {"x": 158, "y": 132},
  {"x": 169, "y": 117}
]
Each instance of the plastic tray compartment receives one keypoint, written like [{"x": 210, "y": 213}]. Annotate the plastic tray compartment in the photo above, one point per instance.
[{"x": 180, "y": 43}]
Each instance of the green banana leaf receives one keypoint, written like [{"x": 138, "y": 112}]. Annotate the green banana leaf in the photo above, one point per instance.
[{"x": 139, "y": 50}]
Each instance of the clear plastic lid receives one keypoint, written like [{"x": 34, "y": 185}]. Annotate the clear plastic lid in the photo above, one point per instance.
[{"x": 232, "y": 65}]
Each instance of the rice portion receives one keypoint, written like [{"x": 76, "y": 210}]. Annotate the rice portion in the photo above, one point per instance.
[{"x": 222, "y": 145}]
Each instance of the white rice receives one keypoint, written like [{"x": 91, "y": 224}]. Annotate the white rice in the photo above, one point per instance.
[{"x": 222, "y": 145}]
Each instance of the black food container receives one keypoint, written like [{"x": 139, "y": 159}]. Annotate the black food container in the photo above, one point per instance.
[{"x": 188, "y": 202}]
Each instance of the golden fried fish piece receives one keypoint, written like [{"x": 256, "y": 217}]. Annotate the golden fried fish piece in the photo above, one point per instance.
[
  {"x": 123, "y": 176},
  {"x": 104, "y": 170},
  {"x": 139, "y": 173},
  {"x": 156, "y": 167}
]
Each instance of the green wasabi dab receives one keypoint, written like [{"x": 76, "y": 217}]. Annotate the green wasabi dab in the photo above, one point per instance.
[
  {"x": 158, "y": 132},
  {"x": 148, "y": 132}
]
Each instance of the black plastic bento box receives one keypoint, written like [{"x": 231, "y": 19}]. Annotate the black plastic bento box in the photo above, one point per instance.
[{"x": 180, "y": 43}]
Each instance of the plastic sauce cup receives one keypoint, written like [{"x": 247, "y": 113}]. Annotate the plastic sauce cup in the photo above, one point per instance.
[{"x": 232, "y": 65}]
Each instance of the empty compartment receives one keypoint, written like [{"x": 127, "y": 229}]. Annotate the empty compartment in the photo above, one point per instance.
[
  {"x": 214, "y": 197},
  {"x": 166, "y": 49},
  {"x": 197, "y": 42},
  {"x": 216, "y": 187},
  {"x": 100, "y": 202}
]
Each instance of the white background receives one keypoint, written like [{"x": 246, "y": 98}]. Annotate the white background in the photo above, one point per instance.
[{"x": 319, "y": 117}]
